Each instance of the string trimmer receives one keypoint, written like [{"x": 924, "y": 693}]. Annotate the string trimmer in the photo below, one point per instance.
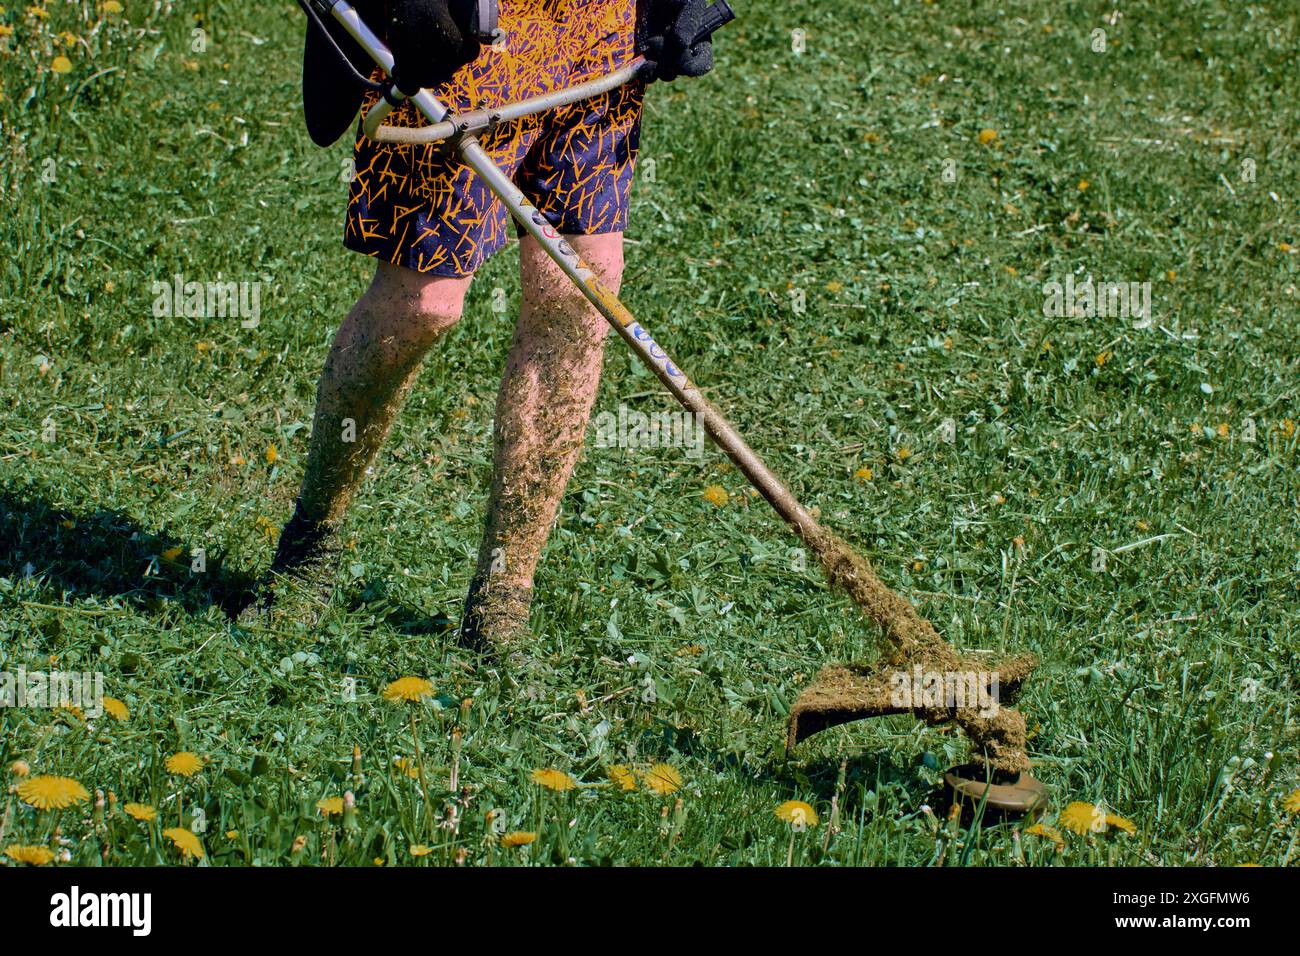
[{"x": 913, "y": 650}]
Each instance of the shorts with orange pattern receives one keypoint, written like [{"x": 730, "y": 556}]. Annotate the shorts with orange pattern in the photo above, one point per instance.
[{"x": 420, "y": 207}]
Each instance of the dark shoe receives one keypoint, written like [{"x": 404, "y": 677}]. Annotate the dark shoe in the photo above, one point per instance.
[
  {"x": 495, "y": 620},
  {"x": 300, "y": 582}
]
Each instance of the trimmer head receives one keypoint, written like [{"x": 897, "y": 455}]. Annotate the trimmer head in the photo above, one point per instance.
[{"x": 841, "y": 694}]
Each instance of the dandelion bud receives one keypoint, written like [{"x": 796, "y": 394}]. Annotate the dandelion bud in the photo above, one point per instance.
[{"x": 349, "y": 811}]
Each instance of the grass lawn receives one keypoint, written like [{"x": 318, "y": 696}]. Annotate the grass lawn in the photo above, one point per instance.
[{"x": 850, "y": 248}]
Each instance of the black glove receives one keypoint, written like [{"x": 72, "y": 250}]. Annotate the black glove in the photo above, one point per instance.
[
  {"x": 669, "y": 28},
  {"x": 431, "y": 40}
]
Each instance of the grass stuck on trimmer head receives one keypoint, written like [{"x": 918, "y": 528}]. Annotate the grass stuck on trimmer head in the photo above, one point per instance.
[{"x": 922, "y": 674}]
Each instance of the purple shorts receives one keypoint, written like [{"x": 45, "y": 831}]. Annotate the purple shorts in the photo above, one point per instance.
[{"x": 418, "y": 207}]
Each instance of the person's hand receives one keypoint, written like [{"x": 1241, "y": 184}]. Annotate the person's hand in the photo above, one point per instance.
[
  {"x": 430, "y": 40},
  {"x": 670, "y": 32}
]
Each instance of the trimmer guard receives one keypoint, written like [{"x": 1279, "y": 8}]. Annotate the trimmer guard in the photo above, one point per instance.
[{"x": 842, "y": 693}]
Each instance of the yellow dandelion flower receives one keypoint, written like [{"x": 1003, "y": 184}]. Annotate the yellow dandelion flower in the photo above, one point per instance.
[
  {"x": 797, "y": 813},
  {"x": 171, "y": 554},
  {"x": 986, "y": 136},
  {"x": 1121, "y": 823},
  {"x": 518, "y": 838},
  {"x": 1286, "y": 247},
  {"x": 20, "y": 768},
  {"x": 140, "y": 811},
  {"x": 61, "y": 64},
  {"x": 864, "y": 474},
  {"x": 51, "y": 793},
  {"x": 408, "y": 767},
  {"x": 1043, "y": 830},
  {"x": 419, "y": 849},
  {"x": 112, "y": 6},
  {"x": 409, "y": 689},
  {"x": 1292, "y": 802},
  {"x": 185, "y": 841},
  {"x": 184, "y": 764},
  {"x": 6, "y": 30},
  {"x": 271, "y": 455},
  {"x": 904, "y": 453},
  {"x": 115, "y": 708},
  {"x": 330, "y": 806},
  {"x": 715, "y": 495},
  {"x": 835, "y": 286},
  {"x": 1083, "y": 185},
  {"x": 31, "y": 855},
  {"x": 662, "y": 779},
  {"x": 39, "y": 13},
  {"x": 553, "y": 779},
  {"x": 1080, "y": 817},
  {"x": 623, "y": 778}
]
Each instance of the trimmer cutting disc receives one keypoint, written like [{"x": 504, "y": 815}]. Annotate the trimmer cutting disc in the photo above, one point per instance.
[{"x": 1018, "y": 793}]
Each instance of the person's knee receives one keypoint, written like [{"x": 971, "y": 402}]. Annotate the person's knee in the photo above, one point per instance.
[
  {"x": 425, "y": 306},
  {"x": 553, "y": 303},
  {"x": 604, "y": 254}
]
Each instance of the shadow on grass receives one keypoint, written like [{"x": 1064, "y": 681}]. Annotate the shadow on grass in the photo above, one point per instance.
[
  {"x": 108, "y": 554},
  {"x": 375, "y": 599},
  {"x": 817, "y": 778}
]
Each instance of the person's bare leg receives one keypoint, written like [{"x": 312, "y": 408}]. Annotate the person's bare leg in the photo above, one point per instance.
[
  {"x": 550, "y": 383},
  {"x": 374, "y": 361},
  {"x": 372, "y": 364}
]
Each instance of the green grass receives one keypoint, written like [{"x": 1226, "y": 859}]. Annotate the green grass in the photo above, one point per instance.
[{"x": 820, "y": 172}]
